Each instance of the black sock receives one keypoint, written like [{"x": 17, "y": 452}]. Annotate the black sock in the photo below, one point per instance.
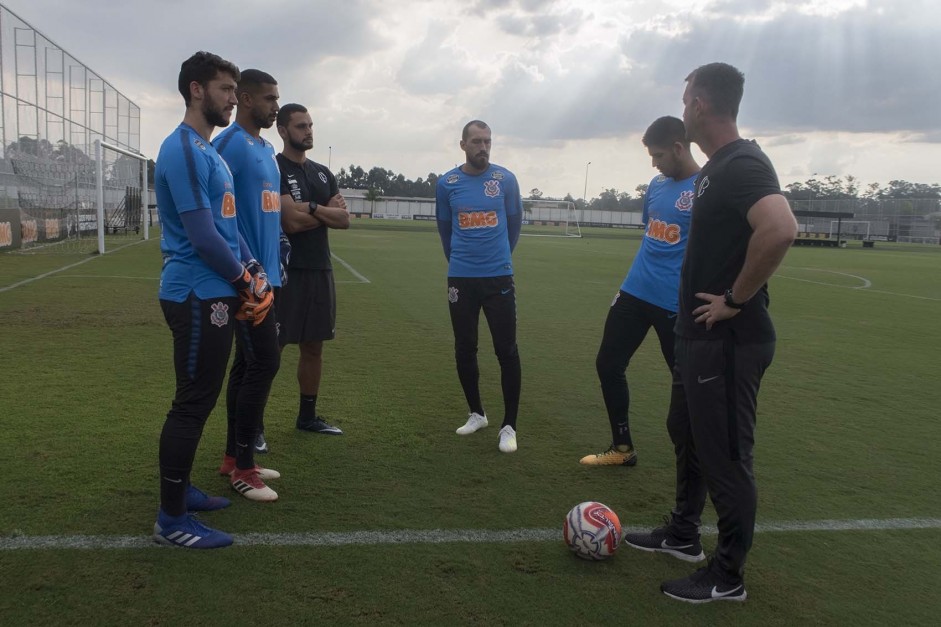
[
  {"x": 622, "y": 435},
  {"x": 308, "y": 407}
]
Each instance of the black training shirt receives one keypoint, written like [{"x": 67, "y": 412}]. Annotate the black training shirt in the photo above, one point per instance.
[
  {"x": 736, "y": 177},
  {"x": 310, "y": 250}
]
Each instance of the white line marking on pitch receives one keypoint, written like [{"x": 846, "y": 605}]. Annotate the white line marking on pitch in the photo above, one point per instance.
[
  {"x": 64, "y": 268},
  {"x": 866, "y": 283},
  {"x": 359, "y": 276},
  {"x": 105, "y": 276},
  {"x": 437, "y": 536}
]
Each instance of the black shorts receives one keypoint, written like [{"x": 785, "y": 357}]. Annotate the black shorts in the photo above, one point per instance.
[{"x": 307, "y": 307}]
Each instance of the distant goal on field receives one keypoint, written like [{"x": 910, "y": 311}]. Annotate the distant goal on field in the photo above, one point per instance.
[
  {"x": 855, "y": 229},
  {"x": 550, "y": 218},
  {"x": 78, "y": 203}
]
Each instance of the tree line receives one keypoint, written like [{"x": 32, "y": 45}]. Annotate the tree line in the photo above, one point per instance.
[{"x": 379, "y": 182}]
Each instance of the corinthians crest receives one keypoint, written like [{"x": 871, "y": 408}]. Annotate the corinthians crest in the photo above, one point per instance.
[{"x": 220, "y": 314}]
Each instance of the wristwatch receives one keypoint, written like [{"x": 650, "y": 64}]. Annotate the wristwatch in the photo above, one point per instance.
[
  {"x": 312, "y": 207},
  {"x": 730, "y": 302}
]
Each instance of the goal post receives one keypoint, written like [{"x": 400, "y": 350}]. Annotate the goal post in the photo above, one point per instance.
[
  {"x": 550, "y": 218},
  {"x": 121, "y": 204},
  {"x": 855, "y": 229}
]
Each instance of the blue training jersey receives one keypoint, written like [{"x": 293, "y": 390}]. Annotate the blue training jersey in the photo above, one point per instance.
[
  {"x": 478, "y": 209},
  {"x": 655, "y": 274},
  {"x": 257, "y": 194},
  {"x": 190, "y": 175}
]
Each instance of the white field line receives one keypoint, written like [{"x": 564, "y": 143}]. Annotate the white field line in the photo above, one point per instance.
[
  {"x": 436, "y": 536},
  {"x": 105, "y": 276},
  {"x": 359, "y": 276},
  {"x": 68, "y": 267},
  {"x": 865, "y": 284}
]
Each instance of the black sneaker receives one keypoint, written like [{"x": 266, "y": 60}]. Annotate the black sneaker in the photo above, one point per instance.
[
  {"x": 707, "y": 584},
  {"x": 261, "y": 446},
  {"x": 317, "y": 425},
  {"x": 661, "y": 541}
]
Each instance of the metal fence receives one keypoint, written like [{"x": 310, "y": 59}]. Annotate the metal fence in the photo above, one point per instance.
[
  {"x": 52, "y": 110},
  {"x": 915, "y": 220}
]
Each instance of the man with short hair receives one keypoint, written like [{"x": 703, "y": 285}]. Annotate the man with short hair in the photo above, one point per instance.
[
  {"x": 648, "y": 295},
  {"x": 311, "y": 204},
  {"x": 479, "y": 212},
  {"x": 742, "y": 228},
  {"x": 251, "y": 159},
  {"x": 204, "y": 288}
]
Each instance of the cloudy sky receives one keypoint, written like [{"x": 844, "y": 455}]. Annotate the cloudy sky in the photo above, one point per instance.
[{"x": 833, "y": 87}]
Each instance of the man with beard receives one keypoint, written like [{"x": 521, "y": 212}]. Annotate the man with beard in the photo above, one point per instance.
[
  {"x": 648, "y": 295},
  {"x": 310, "y": 205},
  {"x": 742, "y": 228},
  {"x": 479, "y": 212},
  {"x": 204, "y": 287},
  {"x": 252, "y": 162}
]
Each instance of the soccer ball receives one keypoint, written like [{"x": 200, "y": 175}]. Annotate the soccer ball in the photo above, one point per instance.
[{"x": 592, "y": 530}]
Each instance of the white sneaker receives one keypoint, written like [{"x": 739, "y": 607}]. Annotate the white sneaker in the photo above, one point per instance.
[
  {"x": 508, "y": 439},
  {"x": 474, "y": 422}
]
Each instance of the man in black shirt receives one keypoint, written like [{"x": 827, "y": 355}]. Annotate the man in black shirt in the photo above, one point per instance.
[
  {"x": 742, "y": 227},
  {"x": 306, "y": 306}
]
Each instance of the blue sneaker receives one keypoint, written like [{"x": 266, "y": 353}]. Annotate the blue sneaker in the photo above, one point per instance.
[
  {"x": 199, "y": 501},
  {"x": 188, "y": 532}
]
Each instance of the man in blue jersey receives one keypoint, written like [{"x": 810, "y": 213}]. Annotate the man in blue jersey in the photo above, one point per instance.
[
  {"x": 311, "y": 204},
  {"x": 648, "y": 296},
  {"x": 204, "y": 288},
  {"x": 479, "y": 212},
  {"x": 251, "y": 159}
]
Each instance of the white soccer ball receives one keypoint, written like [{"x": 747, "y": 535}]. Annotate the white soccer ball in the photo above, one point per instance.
[{"x": 592, "y": 530}]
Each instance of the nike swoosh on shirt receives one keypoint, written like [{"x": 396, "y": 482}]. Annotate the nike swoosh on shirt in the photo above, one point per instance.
[
  {"x": 506, "y": 291},
  {"x": 718, "y": 595},
  {"x": 701, "y": 380}
]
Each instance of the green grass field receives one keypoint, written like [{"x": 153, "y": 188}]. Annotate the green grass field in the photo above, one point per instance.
[{"x": 847, "y": 438}]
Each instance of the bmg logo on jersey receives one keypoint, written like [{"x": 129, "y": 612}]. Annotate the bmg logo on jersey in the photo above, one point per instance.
[
  {"x": 270, "y": 201},
  {"x": 228, "y": 205},
  {"x": 663, "y": 232},
  {"x": 477, "y": 219}
]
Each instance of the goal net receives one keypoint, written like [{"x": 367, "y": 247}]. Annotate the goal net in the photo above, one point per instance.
[
  {"x": 76, "y": 203},
  {"x": 850, "y": 229},
  {"x": 550, "y": 218}
]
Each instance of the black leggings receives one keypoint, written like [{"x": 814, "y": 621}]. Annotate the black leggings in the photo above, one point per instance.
[
  {"x": 497, "y": 297},
  {"x": 202, "y": 340},
  {"x": 257, "y": 359},
  {"x": 627, "y": 324}
]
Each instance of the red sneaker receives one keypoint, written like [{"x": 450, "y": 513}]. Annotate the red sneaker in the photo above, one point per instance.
[
  {"x": 249, "y": 484},
  {"x": 228, "y": 467}
]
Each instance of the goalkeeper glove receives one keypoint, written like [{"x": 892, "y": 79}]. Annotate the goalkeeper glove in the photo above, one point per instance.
[
  {"x": 254, "y": 292},
  {"x": 285, "y": 249}
]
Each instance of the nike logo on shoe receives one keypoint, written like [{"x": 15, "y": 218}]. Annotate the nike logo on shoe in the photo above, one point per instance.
[
  {"x": 718, "y": 595},
  {"x": 701, "y": 380},
  {"x": 669, "y": 547}
]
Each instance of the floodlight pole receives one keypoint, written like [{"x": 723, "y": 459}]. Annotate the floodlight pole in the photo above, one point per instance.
[
  {"x": 329, "y": 156},
  {"x": 585, "y": 192}
]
